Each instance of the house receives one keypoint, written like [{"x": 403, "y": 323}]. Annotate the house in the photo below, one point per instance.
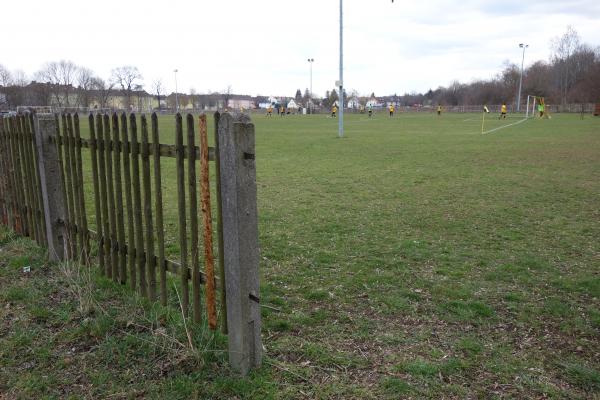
[
  {"x": 353, "y": 103},
  {"x": 237, "y": 102},
  {"x": 292, "y": 105},
  {"x": 374, "y": 103}
]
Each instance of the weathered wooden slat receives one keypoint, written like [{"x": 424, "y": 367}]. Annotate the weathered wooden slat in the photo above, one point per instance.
[
  {"x": 128, "y": 202},
  {"x": 185, "y": 297},
  {"x": 7, "y": 173},
  {"x": 71, "y": 221},
  {"x": 158, "y": 206},
  {"x": 29, "y": 171},
  {"x": 59, "y": 150},
  {"x": 105, "y": 240},
  {"x": 209, "y": 262},
  {"x": 27, "y": 160},
  {"x": 193, "y": 193},
  {"x": 4, "y": 176},
  {"x": 223, "y": 289},
  {"x": 35, "y": 207},
  {"x": 74, "y": 187},
  {"x": 146, "y": 183},
  {"x": 85, "y": 240},
  {"x": 37, "y": 184},
  {"x": 112, "y": 213},
  {"x": 137, "y": 207},
  {"x": 25, "y": 174},
  {"x": 17, "y": 220},
  {"x": 96, "y": 183},
  {"x": 119, "y": 199},
  {"x": 19, "y": 177}
]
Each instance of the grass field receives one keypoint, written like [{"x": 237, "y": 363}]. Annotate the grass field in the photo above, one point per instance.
[{"x": 415, "y": 258}]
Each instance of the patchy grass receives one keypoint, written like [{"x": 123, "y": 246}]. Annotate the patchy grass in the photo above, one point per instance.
[{"x": 412, "y": 259}]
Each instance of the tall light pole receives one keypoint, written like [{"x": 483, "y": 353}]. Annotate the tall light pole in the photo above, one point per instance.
[
  {"x": 523, "y": 46},
  {"x": 176, "y": 98},
  {"x": 310, "y": 61},
  {"x": 341, "y": 81}
]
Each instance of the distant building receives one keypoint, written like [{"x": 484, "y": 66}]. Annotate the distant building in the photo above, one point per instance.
[{"x": 353, "y": 103}]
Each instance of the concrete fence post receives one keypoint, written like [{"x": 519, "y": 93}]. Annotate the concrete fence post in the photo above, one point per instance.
[
  {"x": 52, "y": 185},
  {"x": 240, "y": 234}
]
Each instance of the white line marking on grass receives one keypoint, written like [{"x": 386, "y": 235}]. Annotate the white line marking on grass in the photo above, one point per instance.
[{"x": 504, "y": 126}]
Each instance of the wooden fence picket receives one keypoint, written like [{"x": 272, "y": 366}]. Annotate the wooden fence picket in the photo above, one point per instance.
[
  {"x": 120, "y": 221},
  {"x": 97, "y": 192},
  {"x": 137, "y": 208},
  {"x": 158, "y": 206},
  {"x": 131, "y": 256}
]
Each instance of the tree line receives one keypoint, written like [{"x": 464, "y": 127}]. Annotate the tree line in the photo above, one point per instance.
[
  {"x": 571, "y": 75},
  {"x": 66, "y": 84}
]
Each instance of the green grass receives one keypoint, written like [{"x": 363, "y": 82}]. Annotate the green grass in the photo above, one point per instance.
[{"x": 413, "y": 258}]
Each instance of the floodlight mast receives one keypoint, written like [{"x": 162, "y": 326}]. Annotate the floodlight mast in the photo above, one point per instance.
[
  {"x": 523, "y": 46},
  {"x": 176, "y": 98},
  {"x": 310, "y": 61},
  {"x": 341, "y": 81}
]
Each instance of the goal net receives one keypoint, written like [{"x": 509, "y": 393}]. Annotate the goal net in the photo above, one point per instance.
[
  {"x": 532, "y": 102},
  {"x": 537, "y": 107}
]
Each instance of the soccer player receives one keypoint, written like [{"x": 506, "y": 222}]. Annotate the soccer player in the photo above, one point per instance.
[
  {"x": 370, "y": 110},
  {"x": 391, "y": 110},
  {"x": 269, "y": 111},
  {"x": 439, "y": 110},
  {"x": 541, "y": 109},
  {"x": 333, "y": 111},
  {"x": 503, "y": 111},
  {"x": 281, "y": 111}
]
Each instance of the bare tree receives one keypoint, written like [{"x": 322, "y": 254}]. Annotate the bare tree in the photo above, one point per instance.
[
  {"x": 127, "y": 77},
  {"x": 103, "y": 90},
  {"x": 61, "y": 75},
  {"x": 563, "y": 47},
  {"x": 85, "y": 83},
  {"x": 20, "y": 78},
  {"x": 157, "y": 87},
  {"x": 5, "y": 76}
]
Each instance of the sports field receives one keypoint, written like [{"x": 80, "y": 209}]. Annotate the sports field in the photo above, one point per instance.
[{"x": 416, "y": 258}]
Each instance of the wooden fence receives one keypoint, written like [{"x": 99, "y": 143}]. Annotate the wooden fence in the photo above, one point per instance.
[{"x": 44, "y": 162}]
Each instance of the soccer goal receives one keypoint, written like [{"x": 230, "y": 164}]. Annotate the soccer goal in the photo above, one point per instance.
[
  {"x": 536, "y": 106},
  {"x": 531, "y": 104}
]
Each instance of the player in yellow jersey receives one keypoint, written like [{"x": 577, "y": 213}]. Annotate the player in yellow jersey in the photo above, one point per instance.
[
  {"x": 269, "y": 111},
  {"x": 391, "y": 107},
  {"x": 281, "y": 111},
  {"x": 334, "y": 111},
  {"x": 439, "y": 110},
  {"x": 502, "y": 111}
]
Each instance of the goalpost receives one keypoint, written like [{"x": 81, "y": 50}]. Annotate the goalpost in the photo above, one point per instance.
[
  {"x": 532, "y": 107},
  {"x": 531, "y": 104}
]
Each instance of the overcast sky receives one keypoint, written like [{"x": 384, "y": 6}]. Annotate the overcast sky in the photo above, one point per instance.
[{"x": 261, "y": 47}]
